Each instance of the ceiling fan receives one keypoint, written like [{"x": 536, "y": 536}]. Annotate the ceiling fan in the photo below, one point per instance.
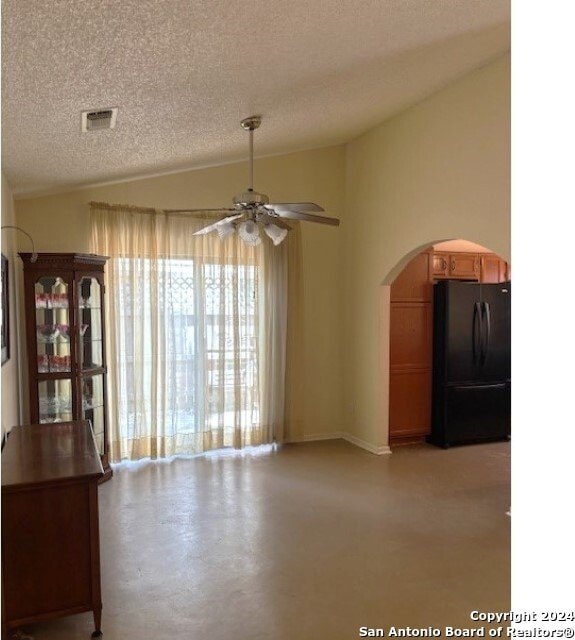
[{"x": 252, "y": 210}]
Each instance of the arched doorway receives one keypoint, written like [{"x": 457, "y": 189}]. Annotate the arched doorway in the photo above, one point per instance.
[{"x": 411, "y": 326}]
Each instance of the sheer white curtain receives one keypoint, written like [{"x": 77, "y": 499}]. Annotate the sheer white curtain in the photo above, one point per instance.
[{"x": 196, "y": 334}]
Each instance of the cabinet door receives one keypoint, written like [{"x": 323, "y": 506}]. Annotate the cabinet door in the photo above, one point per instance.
[
  {"x": 410, "y": 369},
  {"x": 464, "y": 266},
  {"x": 411, "y": 335},
  {"x": 52, "y": 296},
  {"x": 491, "y": 268},
  {"x": 94, "y": 408},
  {"x": 410, "y": 404},
  {"x": 50, "y": 364},
  {"x": 440, "y": 265},
  {"x": 90, "y": 320},
  {"x": 413, "y": 284}
]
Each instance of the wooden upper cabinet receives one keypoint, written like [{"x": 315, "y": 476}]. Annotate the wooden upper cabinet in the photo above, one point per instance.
[
  {"x": 464, "y": 266},
  {"x": 494, "y": 269},
  {"x": 414, "y": 283},
  {"x": 440, "y": 265},
  {"x": 491, "y": 269},
  {"x": 485, "y": 267}
]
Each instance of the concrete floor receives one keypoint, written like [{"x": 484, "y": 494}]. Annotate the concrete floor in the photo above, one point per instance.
[{"x": 308, "y": 542}]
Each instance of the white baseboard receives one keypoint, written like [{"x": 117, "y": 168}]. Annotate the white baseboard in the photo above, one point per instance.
[
  {"x": 342, "y": 435},
  {"x": 358, "y": 442},
  {"x": 314, "y": 437}
]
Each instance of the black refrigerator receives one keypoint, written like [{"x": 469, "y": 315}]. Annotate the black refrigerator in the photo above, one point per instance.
[{"x": 471, "y": 362}]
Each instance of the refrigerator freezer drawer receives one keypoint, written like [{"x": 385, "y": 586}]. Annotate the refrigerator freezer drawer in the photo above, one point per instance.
[{"x": 471, "y": 413}]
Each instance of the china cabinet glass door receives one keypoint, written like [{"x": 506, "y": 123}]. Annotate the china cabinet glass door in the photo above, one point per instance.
[
  {"x": 93, "y": 406},
  {"x": 91, "y": 356},
  {"x": 53, "y": 349},
  {"x": 90, "y": 324},
  {"x": 52, "y": 325}
]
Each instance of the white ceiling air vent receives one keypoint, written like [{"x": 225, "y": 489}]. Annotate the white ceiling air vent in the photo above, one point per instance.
[{"x": 98, "y": 119}]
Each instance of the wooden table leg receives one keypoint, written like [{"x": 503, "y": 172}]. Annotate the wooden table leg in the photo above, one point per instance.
[{"x": 97, "y": 623}]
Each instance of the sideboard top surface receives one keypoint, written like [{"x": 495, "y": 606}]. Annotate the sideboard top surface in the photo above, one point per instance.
[{"x": 46, "y": 453}]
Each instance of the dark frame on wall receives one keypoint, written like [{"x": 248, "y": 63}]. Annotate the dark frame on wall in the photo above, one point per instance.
[{"x": 5, "y": 312}]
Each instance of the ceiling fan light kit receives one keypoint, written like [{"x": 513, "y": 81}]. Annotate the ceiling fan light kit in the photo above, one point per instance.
[
  {"x": 274, "y": 233},
  {"x": 252, "y": 210},
  {"x": 249, "y": 232}
]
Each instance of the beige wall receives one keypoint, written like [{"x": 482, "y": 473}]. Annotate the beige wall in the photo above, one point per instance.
[
  {"x": 10, "y": 381},
  {"x": 438, "y": 171},
  {"x": 61, "y": 223},
  {"x": 461, "y": 246}
]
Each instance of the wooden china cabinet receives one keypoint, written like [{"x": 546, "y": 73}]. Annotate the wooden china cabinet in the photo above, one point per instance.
[{"x": 65, "y": 337}]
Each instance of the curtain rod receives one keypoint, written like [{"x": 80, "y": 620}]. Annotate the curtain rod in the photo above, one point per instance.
[
  {"x": 121, "y": 207},
  {"x": 129, "y": 207}
]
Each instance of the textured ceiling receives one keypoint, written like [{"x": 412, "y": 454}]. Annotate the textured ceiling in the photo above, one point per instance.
[{"x": 184, "y": 73}]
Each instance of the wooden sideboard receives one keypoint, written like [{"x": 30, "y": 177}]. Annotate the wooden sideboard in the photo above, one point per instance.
[{"x": 50, "y": 535}]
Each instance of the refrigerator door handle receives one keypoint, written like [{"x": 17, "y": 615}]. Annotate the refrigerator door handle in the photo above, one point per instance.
[
  {"x": 486, "y": 311},
  {"x": 477, "y": 333},
  {"x": 487, "y": 329},
  {"x": 477, "y": 387}
]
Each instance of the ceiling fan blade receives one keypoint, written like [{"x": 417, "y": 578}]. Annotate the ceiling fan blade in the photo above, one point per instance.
[
  {"x": 304, "y": 207},
  {"x": 198, "y": 210},
  {"x": 215, "y": 225},
  {"x": 308, "y": 217},
  {"x": 268, "y": 219}
]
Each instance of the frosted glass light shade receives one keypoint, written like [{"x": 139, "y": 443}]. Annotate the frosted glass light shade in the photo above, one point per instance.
[
  {"x": 275, "y": 233},
  {"x": 225, "y": 230},
  {"x": 249, "y": 232}
]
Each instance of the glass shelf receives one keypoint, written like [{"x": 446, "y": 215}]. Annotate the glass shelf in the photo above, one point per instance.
[{"x": 92, "y": 406}]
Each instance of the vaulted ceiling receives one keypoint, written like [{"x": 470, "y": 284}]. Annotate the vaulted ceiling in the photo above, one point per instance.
[{"x": 185, "y": 72}]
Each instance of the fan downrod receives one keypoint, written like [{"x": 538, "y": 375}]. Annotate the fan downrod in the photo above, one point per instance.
[{"x": 251, "y": 123}]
